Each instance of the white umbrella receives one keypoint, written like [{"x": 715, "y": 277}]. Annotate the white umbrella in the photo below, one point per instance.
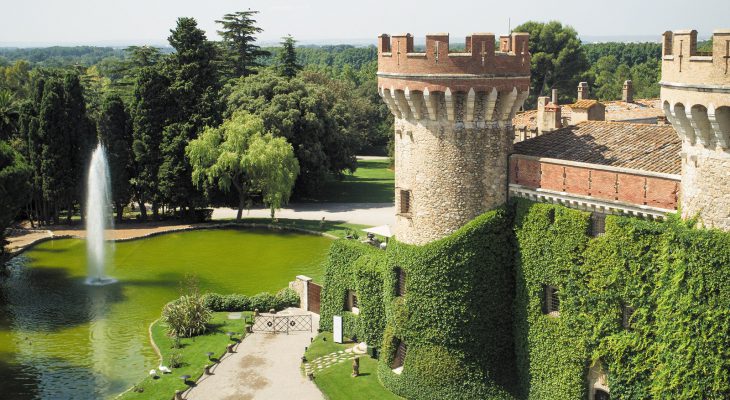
[{"x": 382, "y": 230}]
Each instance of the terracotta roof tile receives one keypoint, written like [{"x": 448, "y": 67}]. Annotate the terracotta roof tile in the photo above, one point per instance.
[
  {"x": 583, "y": 104},
  {"x": 639, "y": 146}
]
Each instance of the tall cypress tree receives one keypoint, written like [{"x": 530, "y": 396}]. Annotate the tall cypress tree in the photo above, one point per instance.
[
  {"x": 116, "y": 135},
  {"x": 194, "y": 89},
  {"x": 287, "y": 58},
  {"x": 238, "y": 33},
  {"x": 80, "y": 136},
  {"x": 151, "y": 112},
  {"x": 55, "y": 164}
]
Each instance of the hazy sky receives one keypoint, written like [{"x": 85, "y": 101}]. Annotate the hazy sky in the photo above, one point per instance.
[{"x": 149, "y": 21}]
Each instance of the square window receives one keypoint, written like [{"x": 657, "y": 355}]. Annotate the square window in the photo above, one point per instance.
[
  {"x": 551, "y": 301},
  {"x": 405, "y": 202}
]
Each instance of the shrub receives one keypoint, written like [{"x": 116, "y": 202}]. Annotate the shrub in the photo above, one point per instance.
[
  {"x": 175, "y": 360},
  {"x": 214, "y": 301},
  {"x": 287, "y": 298},
  {"x": 236, "y": 302},
  {"x": 264, "y": 302},
  {"x": 186, "y": 317}
]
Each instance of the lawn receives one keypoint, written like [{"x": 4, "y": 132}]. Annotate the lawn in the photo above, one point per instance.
[
  {"x": 338, "y": 229},
  {"x": 194, "y": 357},
  {"x": 372, "y": 182},
  {"x": 336, "y": 383}
]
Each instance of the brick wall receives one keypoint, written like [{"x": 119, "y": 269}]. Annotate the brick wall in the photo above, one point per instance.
[{"x": 600, "y": 183}]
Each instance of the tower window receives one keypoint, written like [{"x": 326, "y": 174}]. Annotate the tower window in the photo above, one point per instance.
[
  {"x": 551, "y": 301},
  {"x": 598, "y": 224},
  {"x": 405, "y": 201},
  {"x": 400, "y": 355},
  {"x": 400, "y": 281},
  {"x": 627, "y": 313}
]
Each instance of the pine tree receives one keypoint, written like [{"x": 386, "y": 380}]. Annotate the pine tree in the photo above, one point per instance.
[
  {"x": 116, "y": 135},
  {"x": 238, "y": 33},
  {"x": 287, "y": 58}
]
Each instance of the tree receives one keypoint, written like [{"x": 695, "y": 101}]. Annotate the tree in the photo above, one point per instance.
[
  {"x": 238, "y": 33},
  {"x": 238, "y": 154},
  {"x": 15, "y": 188},
  {"x": 310, "y": 116},
  {"x": 287, "y": 58},
  {"x": 557, "y": 59},
  {"x": 151, "y": 111},
  {"x": 115, "y": 133},
  {"x": 273, "y": 169},
  {"x": 9, "y": 114}
]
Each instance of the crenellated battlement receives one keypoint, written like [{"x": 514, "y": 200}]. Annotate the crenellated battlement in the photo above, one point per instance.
[
  {"x": 439, "y": 68},
  {"x": 682, "y": 63}
]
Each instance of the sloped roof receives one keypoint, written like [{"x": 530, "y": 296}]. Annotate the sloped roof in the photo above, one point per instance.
[
  {"x": 584, "y": 104},
  {"x": 619, "y": 144}
]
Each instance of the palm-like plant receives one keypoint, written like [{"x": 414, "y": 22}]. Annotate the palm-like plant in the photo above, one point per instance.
[{"x": 8, "y": 113}]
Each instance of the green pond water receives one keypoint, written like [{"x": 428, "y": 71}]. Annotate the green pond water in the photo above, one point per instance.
[{"x": 63, "y": 339}]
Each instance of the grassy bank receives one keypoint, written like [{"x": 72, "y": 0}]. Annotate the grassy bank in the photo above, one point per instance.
[
  {"x": 193, "y": 354},
  {"x": 372, "y": 182}
]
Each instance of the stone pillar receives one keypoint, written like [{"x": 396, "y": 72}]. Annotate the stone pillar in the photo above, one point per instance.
[
  {"x": 303, "y": 282},
  {"x": 627, "y": 95}
]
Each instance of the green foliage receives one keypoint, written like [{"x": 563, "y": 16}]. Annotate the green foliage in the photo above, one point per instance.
[
  {"x": 14, "y": 187},
  {"x": 238, "y": 33},
  {"x": 674, "y": 276},
  {"x": 287, "y": 298},
  {"x": 625, "y": 53},
  {"x": 557, "y": 59},
  {"x": 262, "y": 301},
  {"x": 286, "y": 58},
  {"x": 116, "y": 134},
  {"x": 187, "y": 316},
  {"x": 608, "y": 76}
]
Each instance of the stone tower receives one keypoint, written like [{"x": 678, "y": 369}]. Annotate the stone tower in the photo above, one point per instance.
[
  {"x": 695, "y": 92},
  {"x": 453, "y": 126}
]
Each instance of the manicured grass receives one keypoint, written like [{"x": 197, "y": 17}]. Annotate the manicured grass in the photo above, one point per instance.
[
  {"x": 338, "y": 229},
  {"x": 336, "y": 383},
  {"x": 372, "y": 182},
  {"x": 193, "y": 352}
]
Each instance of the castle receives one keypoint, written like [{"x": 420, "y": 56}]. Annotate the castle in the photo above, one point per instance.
[
  {"x": 519, "y": 268},
  {"x": 454, "y": 158}
]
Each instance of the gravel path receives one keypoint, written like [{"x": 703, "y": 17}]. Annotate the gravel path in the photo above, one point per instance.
[
  {"x": 373, "y": 214},
  {"x": 265, "y": 366}
]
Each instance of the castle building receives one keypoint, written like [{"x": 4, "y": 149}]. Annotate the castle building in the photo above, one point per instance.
[
  {"x": 696, "y": 99},
  {"x": 453, "y": 126}
]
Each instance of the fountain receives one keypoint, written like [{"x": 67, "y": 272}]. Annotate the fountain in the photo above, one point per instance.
[{"x": 98, "y": 218}]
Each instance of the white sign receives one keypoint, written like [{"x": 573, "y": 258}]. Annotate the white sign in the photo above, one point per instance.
[{"x": 337, "y": 329}]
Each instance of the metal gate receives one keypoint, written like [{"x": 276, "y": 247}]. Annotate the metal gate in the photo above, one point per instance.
[{"x": 269, "y": 323}]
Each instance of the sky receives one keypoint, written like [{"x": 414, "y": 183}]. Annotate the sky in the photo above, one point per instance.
[{"x": 124, "y": 22}]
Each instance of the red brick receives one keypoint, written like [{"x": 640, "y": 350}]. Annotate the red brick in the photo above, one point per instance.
[
  {"x": 528, "y": 173},
  {"x": 576, "y": 180},
  {"x": 631, "y": 188},
  {"x": 662, "y": 193},
  {"x": 552, "y": 177},
  {"x": 603, "y": 185}
]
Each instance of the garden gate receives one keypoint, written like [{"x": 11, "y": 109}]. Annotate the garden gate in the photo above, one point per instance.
[{"x": 272, "y": 323}]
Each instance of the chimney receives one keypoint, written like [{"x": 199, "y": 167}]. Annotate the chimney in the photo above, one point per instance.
[
  {"x": 628, "y": 93},
  {"x": 548, "y": 115},
  {"x": 555, "y": 97},
  {"x": 583, "y": 91}
]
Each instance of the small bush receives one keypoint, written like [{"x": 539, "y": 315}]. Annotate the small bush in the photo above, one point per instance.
[
  {"x": 186, "y": 317},
  {"x": 287, "y": 298},
  {"x": 264, "y": 301},
  {"x": 214, "y": 301},
  {"x": 175, "y": 360}
]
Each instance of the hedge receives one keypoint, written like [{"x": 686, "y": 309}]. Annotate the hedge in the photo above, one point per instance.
[{"x": 263, "y": 301}]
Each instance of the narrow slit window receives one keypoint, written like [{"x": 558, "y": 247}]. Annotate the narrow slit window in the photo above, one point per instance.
[
  {"x": 627, "y": 314},
  {"x": 551, "y": 301},
  {"x": 400, "y": 282},
  {"x": 400, "y": 355},
  {"x": 405, "y": 201},
  {"x": 351, "y": 302},
  {"x": 598, "y": 224}
]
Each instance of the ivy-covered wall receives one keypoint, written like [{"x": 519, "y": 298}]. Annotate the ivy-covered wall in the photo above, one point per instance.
[{"x": 473, "y": 314}]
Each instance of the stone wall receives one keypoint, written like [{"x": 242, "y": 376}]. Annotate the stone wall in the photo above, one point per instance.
[
  {"x": 706, "y": 187},
  {"x": 454, "y": 174}
]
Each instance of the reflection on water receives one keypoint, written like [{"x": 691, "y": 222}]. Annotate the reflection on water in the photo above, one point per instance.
[{"x": 61, "y": 338}]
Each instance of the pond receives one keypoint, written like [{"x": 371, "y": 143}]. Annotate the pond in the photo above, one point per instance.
[{"x": 62, "y": 339}]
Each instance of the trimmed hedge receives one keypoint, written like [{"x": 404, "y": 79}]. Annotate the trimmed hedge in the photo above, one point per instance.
[{"x": 263, "y": 301}]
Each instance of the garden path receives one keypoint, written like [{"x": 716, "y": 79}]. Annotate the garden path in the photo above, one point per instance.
[
  {"x": 264, "y": 366},
  {"x": 372, "y": 214}
]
